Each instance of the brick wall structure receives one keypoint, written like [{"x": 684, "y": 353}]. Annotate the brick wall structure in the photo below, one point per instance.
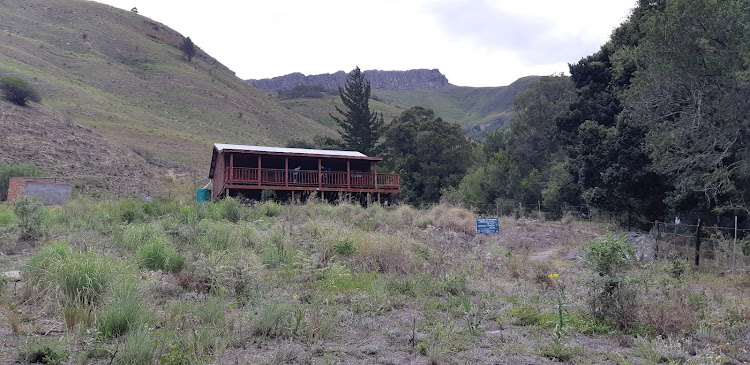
[{"x": 17, "y": 185}]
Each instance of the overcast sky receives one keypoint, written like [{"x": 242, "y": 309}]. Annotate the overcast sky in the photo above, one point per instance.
[{"x": 472, "y": 42}]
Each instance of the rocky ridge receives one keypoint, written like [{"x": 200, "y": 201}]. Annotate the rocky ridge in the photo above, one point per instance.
[{"x": 387, "y": 80}]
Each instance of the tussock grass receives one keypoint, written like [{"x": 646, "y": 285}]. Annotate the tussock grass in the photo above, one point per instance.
[
  {"x": 217, "y": 236},
  {"x": 51, "y": 253},
  {"x": 158, "y": 255},
  {"x": 83, "y": 277},
  {"x": 385, "y": 253},
  {"x": 39, "y": 350},
  {"x": 138, "y": 348},
  {"x": 452, "y": 218},
  {"x": 123, "y": 311},
  {"x": 134, "y": 236}
]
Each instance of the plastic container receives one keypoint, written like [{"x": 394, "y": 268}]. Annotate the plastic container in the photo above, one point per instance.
[{"x": 203, "y": 195}]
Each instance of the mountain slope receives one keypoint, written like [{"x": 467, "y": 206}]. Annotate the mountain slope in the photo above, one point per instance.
[
  {"x": 467, "y": 106},
  {"x": 476, "y": 109},
  {"x": 123, "y": 77}
]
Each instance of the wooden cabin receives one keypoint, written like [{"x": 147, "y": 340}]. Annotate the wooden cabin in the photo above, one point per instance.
[{"x": 247, "y": 170}]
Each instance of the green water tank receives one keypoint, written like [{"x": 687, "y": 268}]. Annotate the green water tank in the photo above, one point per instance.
[{"x": 203, "y": 195}]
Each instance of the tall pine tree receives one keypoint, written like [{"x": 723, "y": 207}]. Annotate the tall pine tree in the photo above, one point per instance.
[{"x": 359, "y": 127}]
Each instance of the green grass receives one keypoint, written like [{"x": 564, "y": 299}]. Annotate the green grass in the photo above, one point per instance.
[
  {"x": 39, "y": 350},
  {"x": 138, "y": 348},
  {"x": 158, "y": 255},
  {"x": 123, "y": 311},
  {"x": 270, "y": 319},
  {"x": 83, "y": 277},
  {"x": 135, "y": 236},
  {"x": 7, "y": 217}
]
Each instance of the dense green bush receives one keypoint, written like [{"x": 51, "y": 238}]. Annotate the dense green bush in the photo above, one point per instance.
[
  {"x": 17, "y": 90},
  {"x": 611, "y": 255}
]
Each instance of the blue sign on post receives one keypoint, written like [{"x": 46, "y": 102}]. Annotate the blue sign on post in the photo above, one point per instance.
[{"x": 488, "y": 225}]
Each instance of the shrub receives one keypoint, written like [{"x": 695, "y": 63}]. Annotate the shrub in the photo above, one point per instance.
[
  {"x": 131, "y": 212},
  {"x": 677, "y": 267},
  {"x": 44, "y": 352},
  {"x": 526, "y": 314},
  {"x": 610, "y": 255},
  {"x": 157, "y": 255},
  {"x": 122, "y": 312},
  {"x": 344, "y": 247},
  {"x": 230, "y": 209},
  {"x": 30, "y": 214},
  {"x": 270, "y": 209},
  {"x": 18, "y": 91},
  {"x": 7, "y": 217},
  {"x": 613, "y": 299}
]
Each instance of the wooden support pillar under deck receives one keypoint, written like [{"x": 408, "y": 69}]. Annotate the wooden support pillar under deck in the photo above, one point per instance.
[
  {"x": 286, "y": 172},
  {"x": 320, "y": 174},
  {"x": 376, "y": 178},
  {"x": 231, "y": 166},
  {"x": 259, "y": 172},
  {"x": 348, "y": 176}
]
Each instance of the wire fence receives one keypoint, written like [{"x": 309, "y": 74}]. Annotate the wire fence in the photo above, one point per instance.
[
  {"x": 533, "y": 210},
  {"x": 724, "y": 249}
]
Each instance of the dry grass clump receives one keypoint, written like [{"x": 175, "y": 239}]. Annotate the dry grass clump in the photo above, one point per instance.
[
  {"x": 387, "y": 253},
  {"x": 452, "y": 218},
  {"x": 223, "y": 271}
]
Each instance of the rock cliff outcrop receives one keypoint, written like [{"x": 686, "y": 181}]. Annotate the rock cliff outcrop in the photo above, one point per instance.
[{"x": 388, "y": 80}]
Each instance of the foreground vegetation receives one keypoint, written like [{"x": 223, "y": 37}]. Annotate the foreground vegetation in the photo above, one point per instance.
[{"x": 177, "y": 283}]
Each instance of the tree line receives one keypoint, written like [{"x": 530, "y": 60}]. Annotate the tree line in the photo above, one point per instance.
[{"x": 654, "y": 124}]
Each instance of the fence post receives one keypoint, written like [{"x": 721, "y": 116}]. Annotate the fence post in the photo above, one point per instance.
[
  {"x": 734, "y": 246},
  {"x": 656, "y": 245},
  {"x": 698, "y": 244}
]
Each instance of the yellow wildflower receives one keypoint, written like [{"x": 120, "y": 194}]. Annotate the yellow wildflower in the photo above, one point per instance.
[
  {"x": 553, "y": 276},
  {"x": 294, "y": 296}
]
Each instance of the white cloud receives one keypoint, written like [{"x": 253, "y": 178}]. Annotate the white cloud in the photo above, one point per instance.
[{"x": 473, "y": 42}]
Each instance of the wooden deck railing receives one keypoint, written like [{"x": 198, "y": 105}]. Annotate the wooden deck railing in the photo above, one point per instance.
[{"x": 309, "y": 178}]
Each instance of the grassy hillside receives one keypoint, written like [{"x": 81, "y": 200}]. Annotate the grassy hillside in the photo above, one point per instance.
[
  {"x": 122, "y": 76},
  {"x": 166, "y": 282}
]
